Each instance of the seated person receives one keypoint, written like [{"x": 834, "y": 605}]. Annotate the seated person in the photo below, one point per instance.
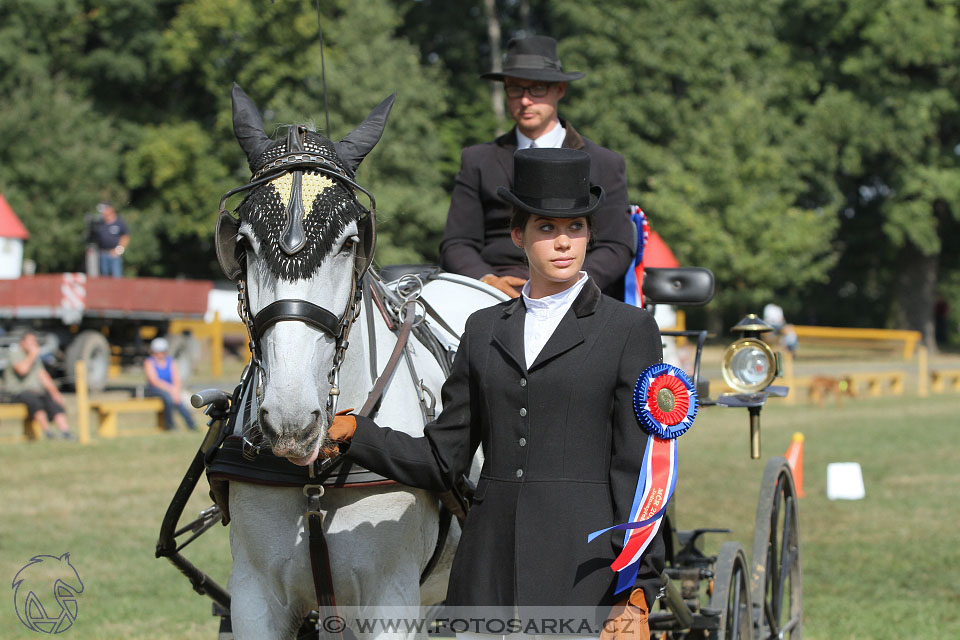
[
  {"x": 476, "y": 241},
  {"x": 27, "y": 381},
  {"x": 163, "y": 378}
]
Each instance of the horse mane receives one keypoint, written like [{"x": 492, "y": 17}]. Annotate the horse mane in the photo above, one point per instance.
[{"x": 329, "y": 214}]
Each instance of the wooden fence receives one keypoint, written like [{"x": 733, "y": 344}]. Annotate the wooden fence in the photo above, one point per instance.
[{"x": 904, "y": 341}]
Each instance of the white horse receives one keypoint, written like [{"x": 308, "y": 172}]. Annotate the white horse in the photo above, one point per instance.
[{"x": 300, "y": 231}]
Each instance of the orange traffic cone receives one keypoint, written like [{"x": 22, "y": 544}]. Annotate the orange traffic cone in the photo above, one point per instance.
[{"x": 794, "y": 457}]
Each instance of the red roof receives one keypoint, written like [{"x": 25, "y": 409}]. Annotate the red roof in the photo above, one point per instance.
[
  {"x": 657, "y": 253},
  {"x": 10, "y": 225}
]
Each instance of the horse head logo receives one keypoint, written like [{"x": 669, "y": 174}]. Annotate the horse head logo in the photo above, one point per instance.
[{"x": 33, "y": 586}]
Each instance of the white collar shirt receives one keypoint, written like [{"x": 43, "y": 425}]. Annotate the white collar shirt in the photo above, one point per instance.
[
  {"x": 552, "y": 139},
  {"x": 543, "y": 316}
]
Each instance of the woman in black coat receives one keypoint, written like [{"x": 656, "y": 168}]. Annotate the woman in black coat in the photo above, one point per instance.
[{"x": 545, "y": 383}]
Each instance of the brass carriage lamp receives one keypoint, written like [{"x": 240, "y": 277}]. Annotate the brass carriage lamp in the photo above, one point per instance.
[{"x": 749, "y": 366}]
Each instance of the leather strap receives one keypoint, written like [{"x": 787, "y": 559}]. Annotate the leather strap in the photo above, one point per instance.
[
  {"x": 319, "y": 552},
  {"x": 376, "y": 394},
  {"x": 295, "y": 310},
  {"x": 436, "y": 316},
  {"x": 322, "y": 575},
  {"x": 371, "y": 330}
]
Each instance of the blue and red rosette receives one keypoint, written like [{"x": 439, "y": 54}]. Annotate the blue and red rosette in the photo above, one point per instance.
[{"x": 665, "y": 403}]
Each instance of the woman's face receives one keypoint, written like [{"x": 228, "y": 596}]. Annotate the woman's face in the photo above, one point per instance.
[{"x": 555, "y": 249}]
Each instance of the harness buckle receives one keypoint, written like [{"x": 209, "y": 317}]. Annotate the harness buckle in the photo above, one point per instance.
[
  {"x": 313, "y": 493},
  {"x": 252, "y": 442}
]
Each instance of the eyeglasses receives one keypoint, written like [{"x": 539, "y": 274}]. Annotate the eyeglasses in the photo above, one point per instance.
[{"x": 535, "y": 91}]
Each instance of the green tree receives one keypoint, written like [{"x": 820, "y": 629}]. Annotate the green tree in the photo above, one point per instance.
[
  {"x": 131, "y": 100},
  {"x": 58, "y": 159},
  {"x": 699, "y": 97},
  {"x": 273, "y": 52},
  {"x": 71, "y": 72},
  {"x": 885, "y": 104}
]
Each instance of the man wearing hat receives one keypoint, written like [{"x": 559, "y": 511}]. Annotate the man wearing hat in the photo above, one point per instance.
[{"x": 476, "y": 241}]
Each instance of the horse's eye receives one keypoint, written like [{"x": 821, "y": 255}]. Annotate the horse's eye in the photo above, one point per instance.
[{"x": 349, "y": 244}]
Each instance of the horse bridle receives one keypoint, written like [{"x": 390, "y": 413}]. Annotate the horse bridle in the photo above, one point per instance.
[{"x": 337, "y": 327}]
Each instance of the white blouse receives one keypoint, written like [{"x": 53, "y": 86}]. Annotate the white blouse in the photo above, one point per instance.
[{"x": 543, "y": 316}]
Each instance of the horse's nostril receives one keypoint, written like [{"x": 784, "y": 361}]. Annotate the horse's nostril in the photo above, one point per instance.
[{"x": 265, "y": 426}]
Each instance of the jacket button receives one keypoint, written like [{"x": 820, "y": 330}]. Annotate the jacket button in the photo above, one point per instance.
[
  {"x": 523, "y": 382},
  {"x": 523, "y": 412},
  {"x": 519, "y": 473},
  {"x": 523, "y": 442}
]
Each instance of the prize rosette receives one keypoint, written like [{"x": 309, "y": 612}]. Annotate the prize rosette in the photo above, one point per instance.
[{"x": 665, "y": 403}]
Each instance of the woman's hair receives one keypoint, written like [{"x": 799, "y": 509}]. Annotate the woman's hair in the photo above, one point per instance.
[{"x": 518, "y": 218}]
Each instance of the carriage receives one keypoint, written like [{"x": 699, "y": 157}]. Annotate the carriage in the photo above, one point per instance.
[{"x": 413, "y": 318}]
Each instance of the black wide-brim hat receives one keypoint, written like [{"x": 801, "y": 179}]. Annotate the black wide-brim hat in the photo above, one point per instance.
[
  {"x": 553, "y": 182},
  {"x": 533, "y": 58}
]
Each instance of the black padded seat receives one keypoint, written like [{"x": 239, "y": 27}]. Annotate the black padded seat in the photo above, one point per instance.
[{"x": 680, "y": 286}]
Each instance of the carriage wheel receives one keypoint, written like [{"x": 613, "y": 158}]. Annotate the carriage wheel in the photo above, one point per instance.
[
  {"x": 731, "y": 593},
  {"x": 776, "y": 586}
]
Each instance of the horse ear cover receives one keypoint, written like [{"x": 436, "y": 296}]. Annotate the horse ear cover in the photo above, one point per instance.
[
  {"x": 352, "y": 150},
  {"x": 358, "y": 143},
  {"x": 248, "y": 126}
]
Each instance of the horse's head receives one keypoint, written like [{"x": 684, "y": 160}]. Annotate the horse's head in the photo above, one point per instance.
[{"x": 298, "y": 249}]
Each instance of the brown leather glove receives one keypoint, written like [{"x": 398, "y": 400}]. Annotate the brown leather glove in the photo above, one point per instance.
[
  {"x": 340, "y": 431},
  {"x": 628, "y": 619},
  {"x": 508, "y": 284}
]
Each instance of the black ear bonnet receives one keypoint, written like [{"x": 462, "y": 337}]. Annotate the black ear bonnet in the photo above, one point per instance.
[{"x": 301, "y": 197}]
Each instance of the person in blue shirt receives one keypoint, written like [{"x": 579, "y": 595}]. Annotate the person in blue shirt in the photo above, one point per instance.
[{"x": 163, "y": 379}]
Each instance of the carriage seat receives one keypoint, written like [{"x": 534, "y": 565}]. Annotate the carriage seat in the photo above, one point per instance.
[
  {"x": 691, "y": 286},
  {"x": 393, "y": 272}
]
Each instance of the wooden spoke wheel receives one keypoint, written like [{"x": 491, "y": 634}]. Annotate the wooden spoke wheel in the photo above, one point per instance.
[
  {"x": 731, "y": 593},
  {"x": 776, "y": 583}
]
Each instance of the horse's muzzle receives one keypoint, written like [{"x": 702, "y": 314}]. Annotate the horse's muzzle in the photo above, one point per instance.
[{"x": 290, "y": 441}]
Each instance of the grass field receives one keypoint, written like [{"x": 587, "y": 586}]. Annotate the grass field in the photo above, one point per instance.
[{"x": 883, "y": 567}]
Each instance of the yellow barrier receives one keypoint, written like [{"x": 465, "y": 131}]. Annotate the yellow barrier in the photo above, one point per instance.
[
  {"x": 109, "y": 410},
  {"x": 83, "y": 401},
  {"x": 945, "y": 380},
  {"x": 16, "y": 411},
  {"x": 214, "y": 332},
  {"x": 910, "y": 339},
  {"x": 879, "y": 383}
]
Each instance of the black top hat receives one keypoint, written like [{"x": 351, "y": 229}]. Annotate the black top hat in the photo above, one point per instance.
[
  {"x": 553, "y": 183},
  {"x": 533, "y": 58}
]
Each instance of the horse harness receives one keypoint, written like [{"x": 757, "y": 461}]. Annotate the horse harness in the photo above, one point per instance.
[{"x": 237, "y": 453}]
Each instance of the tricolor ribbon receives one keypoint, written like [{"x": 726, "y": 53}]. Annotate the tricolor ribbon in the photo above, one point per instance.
[
  {"x": 633, "y": 280},
  {"x": 665, "y": 404}
]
